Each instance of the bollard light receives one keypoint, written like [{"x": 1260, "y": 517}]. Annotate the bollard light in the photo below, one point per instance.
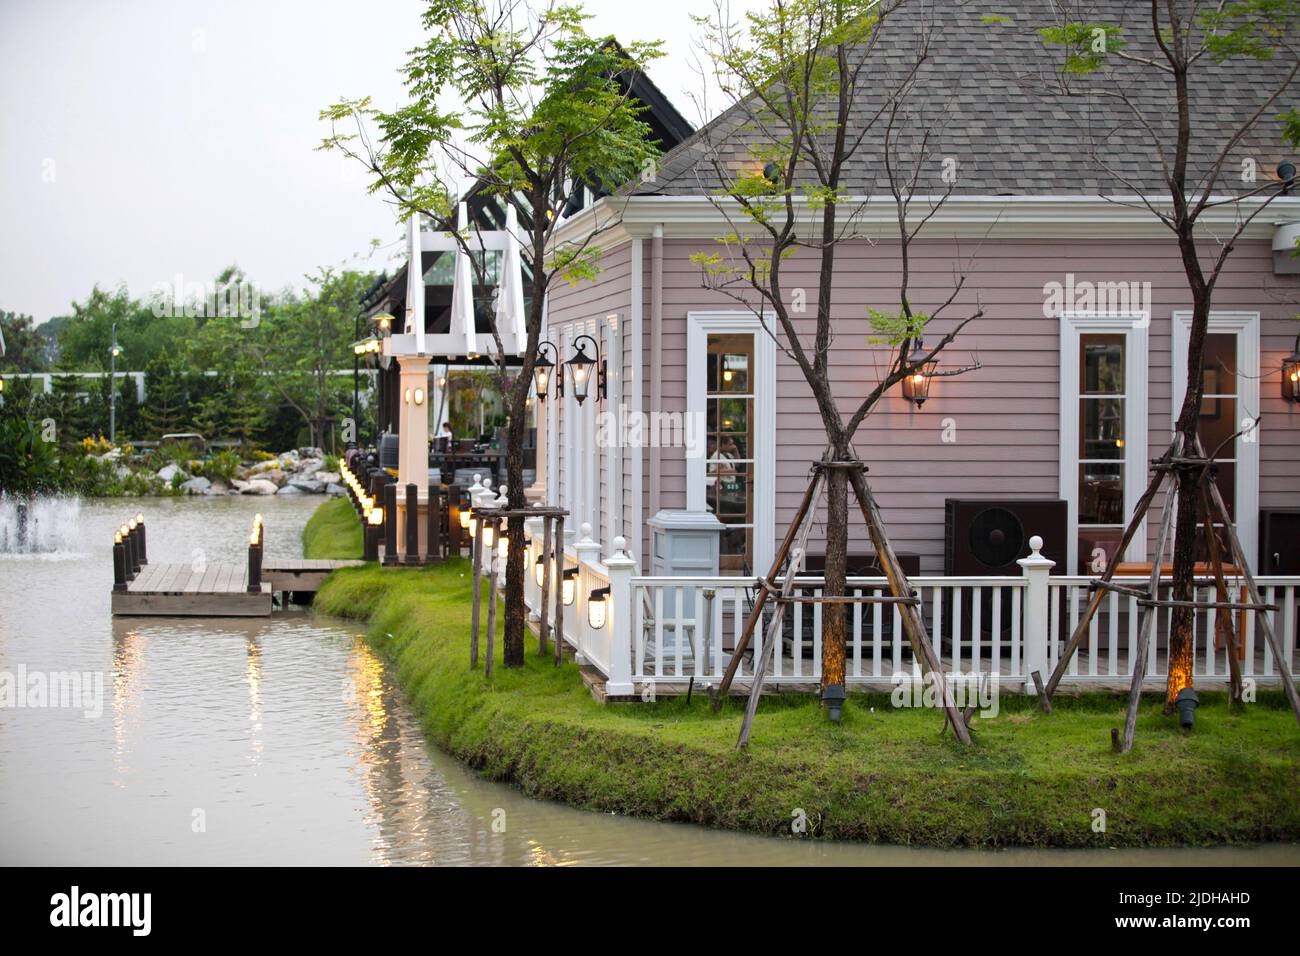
[
  {"x": 489, "y": 537},
  {"x": 568, "y": 585},
  {"x": 376, "y": 516},
  {"x": 1187, "y": 701},
  {"x": 503, "y": 545},
  {"x": 539, "y": 569},
  {"x": 465, "y": 519},
  {"x": 598, "y": 607}
]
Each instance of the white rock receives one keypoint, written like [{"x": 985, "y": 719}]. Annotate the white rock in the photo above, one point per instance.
[
  {"x": 166, "y": 472},
  {"x": 334, "y": 489},
  {"x": 308, "y": 453},
  {"x": 309, "y": 466},
  {"x": 238, "y": 486},
  {"x": 260, "y": 486},
  {"x": 309, "y": 485},
  {"x": 196, "y": 486},
  {"x": 262, "y": 466},
  {"x": 328, "y": 477},
  {"x": 290, "y": 490}
]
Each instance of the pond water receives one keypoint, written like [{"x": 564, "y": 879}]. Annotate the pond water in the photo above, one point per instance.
[{"x": 286, "y": 741}]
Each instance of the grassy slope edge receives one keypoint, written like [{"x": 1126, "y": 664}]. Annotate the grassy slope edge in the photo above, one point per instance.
[
  {"x": 332, "y": 531},
  {"x": 884, "y": 774}
]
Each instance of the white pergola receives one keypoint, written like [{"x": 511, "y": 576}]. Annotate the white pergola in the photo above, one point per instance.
[{"x": 414, "y": 348}]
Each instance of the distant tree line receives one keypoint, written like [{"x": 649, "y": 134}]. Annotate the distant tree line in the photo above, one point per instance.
[{"x": 249, "y": 368}]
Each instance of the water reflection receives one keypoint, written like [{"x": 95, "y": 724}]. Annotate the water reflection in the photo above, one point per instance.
[{"x": 291, "y": 742}]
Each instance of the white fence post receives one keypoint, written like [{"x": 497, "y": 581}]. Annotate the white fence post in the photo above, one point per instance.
[
  {"x": 621, "y": 619},
  {"x": 587, "y": 552},
  {"x": 1036, "y": 570}
]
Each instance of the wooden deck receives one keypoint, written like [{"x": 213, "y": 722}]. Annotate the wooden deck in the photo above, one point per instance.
[
  {"x": 301, "y": 574},
  {"x": 216, "y": 590},
  {"x": 182, "y": 590}
]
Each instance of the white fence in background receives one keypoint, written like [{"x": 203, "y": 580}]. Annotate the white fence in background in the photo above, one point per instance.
[{"x": 669, "y": 631}]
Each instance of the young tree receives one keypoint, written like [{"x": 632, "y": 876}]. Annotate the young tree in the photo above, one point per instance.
[
  {"x": 1155, "y": 75},
  {"x": 305, "y": 341},
  {"x": 24, "y": 346},
  {"x": 539, "y": 115},
  {"x": 797, "y": 74}
]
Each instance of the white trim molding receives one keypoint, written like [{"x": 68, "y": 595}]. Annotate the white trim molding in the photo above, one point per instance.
[
  {"x": 1134, "y": 326},
  {"x": 1245, "y": 326},
  {"x": 698, "y": 326}
]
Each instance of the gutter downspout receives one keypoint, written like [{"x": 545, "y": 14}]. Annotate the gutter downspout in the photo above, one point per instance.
[{"x": 656, "y": 350}]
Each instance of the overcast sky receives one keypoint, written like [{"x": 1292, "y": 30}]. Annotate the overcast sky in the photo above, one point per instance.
[{"x": 141, "y": 139}]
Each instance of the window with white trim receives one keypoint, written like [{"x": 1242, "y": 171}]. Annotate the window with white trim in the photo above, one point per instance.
[{"x": 1103, "y": 429}]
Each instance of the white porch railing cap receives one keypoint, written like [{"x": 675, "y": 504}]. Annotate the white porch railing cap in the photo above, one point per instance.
[
  {"x": 686, "y": 521},
  {"x": 1035, "y": 559}
]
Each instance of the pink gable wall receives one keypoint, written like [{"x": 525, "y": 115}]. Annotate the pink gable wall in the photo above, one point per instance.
[{"x": 1005, "y": 412}]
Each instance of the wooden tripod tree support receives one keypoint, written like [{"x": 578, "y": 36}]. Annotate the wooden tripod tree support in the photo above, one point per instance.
[
  {"x": 552, "y": 582},
  {"x": 1215, "y": 511},
  {"x": 792, "y": 549}
]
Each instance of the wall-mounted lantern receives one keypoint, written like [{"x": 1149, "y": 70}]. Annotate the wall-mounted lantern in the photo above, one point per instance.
[
  {"x": 568, "y": 585},
  {"x": 465, "y": 514},
  {"x": 383, "y": 322},
  {"x": 582, "y": 368},
  {"x": 539, "y": 569},
  {"x": 543, "y": 372},
  {"x": 916, "y": 386},
  {"x": 419, "y": 396},
  {"x": 1291, "y": 374},
  {"x": 598, "y": 608}
]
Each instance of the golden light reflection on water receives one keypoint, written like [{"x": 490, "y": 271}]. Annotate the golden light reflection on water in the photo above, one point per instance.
[
  {"x": 253, "y": 677},
  {"x": 129, "y": 647}
]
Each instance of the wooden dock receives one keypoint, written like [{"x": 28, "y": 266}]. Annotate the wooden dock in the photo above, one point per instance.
[
  {"x": 183, "y": 590},
  {"x": 302, "y": 574}
]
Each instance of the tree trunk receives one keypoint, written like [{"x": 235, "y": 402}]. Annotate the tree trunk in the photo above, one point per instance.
[
  {"x": 837, "y": 543},
  {"x": 1181, "y": 650},
  {"x": 515, "y": 611}
]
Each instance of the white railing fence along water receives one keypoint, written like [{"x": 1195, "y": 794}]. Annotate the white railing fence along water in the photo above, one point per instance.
[{"x": 659, "y": 634}]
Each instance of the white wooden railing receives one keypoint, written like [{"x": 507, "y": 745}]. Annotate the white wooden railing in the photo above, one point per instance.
[{"x": 671, "y": 631}]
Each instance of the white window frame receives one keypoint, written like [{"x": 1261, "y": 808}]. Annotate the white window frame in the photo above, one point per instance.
[
  {"x": 1134, "y": 326},
  {"x": 1245, "y": 325},
  {"x": 699, "y": 325}
]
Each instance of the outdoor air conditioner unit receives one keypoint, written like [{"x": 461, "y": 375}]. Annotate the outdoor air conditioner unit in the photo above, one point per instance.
[{"x": 985, "y": 538}]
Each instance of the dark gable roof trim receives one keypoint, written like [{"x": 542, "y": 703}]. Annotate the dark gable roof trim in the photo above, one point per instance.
[{"x": 975, "y": 94}]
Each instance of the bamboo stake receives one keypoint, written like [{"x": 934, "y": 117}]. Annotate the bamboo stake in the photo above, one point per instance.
[
  {"x": 908, "y": 613},
  {"x": 559, "y": 590},
  {"x": 1144, "y": 503},
  {"x": 544, "y": 612},
  {"x": 1148, "y": 620},
  {"x": 756, "y": 612},
  {"x": 773, "y": 635},
  {"x": 1239, "y": 558},
  {"x": 477, "y": 565},
  {"x": 1221, "y": 592},
  {"x": 492, "y": 594}
]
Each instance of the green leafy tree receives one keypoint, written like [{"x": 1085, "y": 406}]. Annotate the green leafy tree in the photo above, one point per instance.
[
  {"x": 24, "y": 349},
  {"x": 1180, "y": 47},
  {"x": 792, "y": 71},
  {"x": 304, "y": 341},
  {"x": 539, "y": 114}
]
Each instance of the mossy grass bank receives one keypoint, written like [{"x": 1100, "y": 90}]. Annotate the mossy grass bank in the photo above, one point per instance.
[
  {"x": 332, "y": 531},
  {"x": 884, "y": 774}
]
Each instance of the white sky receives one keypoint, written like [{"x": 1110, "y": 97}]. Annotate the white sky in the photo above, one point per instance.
[{"x": 141, "y": 139}]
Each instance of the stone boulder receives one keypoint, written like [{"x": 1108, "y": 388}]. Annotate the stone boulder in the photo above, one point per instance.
[
  {"x": 262, "y": 466},
  {"x": 291, "y": 490},
  {"x": 328, "y": 477},
  {"x": 259, "y": 486},
  {"x": 238, "y": 486},
  {"x": 309, "y": 466},
  {"x": 309, "y": 485},
  {"x": 197, "y": 486},
  {"x": 309, "y": 453},
  {"x": 334, "y": 489},
  {"x": 167, "y": 471}
]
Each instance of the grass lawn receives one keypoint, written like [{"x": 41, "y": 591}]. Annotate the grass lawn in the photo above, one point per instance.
[
  {"x": 333, "y": 531},
  {"x": 883, "y": 774}
]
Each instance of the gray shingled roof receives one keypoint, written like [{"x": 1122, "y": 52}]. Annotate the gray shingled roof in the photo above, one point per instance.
[{"x": 982, "y": 95}]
